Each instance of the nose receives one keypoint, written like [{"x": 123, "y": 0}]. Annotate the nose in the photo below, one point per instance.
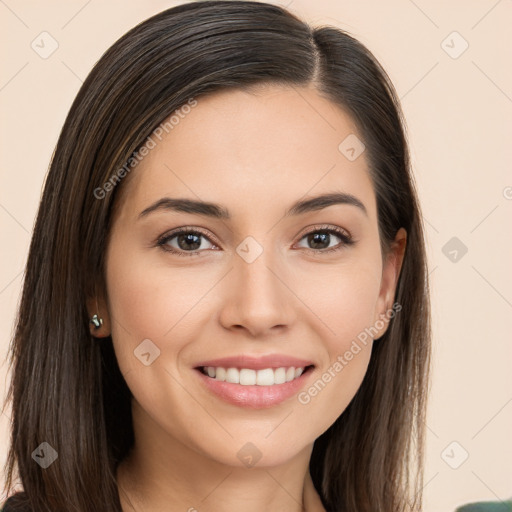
[{"x": 258, "y": 297}]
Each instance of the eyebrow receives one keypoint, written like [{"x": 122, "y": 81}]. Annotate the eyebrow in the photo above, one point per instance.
[{"x": 219, "y": 212}]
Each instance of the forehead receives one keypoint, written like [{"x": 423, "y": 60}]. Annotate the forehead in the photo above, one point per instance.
[{"x": 251, "y": 150}]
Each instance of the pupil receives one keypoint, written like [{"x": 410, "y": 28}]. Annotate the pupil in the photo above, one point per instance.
[
  {"x": 313, "y": 239},
  {"x": 189, "y": 239}
]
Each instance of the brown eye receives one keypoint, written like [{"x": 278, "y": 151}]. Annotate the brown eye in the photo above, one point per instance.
[
  {"x": 188, "y": 241},
  {"x": 321, "y": 240},
  {"x": 184, "y": 242}
]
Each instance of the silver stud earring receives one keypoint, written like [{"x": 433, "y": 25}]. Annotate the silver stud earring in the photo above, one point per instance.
[{"x": 96, "y": 321}]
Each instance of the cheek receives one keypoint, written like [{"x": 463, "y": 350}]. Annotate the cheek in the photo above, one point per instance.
[
  {"x": 343, "y": 301},
  {"x": 347, "y": 346},
  {"x": 152, "y": 301},
  {"x": 343, "y": 298},
  {"x": 334, "y": 387}
]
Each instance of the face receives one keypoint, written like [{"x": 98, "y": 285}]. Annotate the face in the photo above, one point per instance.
[{"x": 253, "y": 293}]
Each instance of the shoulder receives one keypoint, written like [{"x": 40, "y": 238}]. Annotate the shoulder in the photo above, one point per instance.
[
  {"x": 15, "y": 503},
  {"x": 488, "y": 506}
]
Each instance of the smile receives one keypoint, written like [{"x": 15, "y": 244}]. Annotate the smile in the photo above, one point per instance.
[
  {"x": 254, "y": 388},
  {"x": 250, "y": 377}
]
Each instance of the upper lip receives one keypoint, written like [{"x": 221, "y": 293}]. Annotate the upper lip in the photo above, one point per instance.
[{"x": 257, "y": 362}]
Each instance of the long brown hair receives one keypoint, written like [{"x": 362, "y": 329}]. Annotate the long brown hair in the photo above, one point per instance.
[{"x": 67, "y": 389}]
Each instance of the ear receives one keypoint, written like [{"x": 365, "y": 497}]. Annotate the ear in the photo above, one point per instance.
[
  {"x": 98, "y": 306},
  {"x": 390, "y": 273}
]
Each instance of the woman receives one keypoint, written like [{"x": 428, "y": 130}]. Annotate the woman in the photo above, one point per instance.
[{"x": 280, "y": 361}]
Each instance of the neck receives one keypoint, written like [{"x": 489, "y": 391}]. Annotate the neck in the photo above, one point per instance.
[{"x": 161, "y": 472}]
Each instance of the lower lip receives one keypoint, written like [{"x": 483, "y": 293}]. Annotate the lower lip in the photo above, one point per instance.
[{"x": 255, "y": 397}]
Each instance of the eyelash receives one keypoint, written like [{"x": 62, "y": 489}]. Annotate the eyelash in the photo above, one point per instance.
[{"x": 346, "y": 240}]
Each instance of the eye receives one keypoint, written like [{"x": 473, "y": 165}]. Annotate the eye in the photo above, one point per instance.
[
  {"x": 184, "y": 242},
  {"x": 321, "y": 237},
  {"x": 188, "y": 241}
]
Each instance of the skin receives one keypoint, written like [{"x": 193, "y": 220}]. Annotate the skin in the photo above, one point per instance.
[{"x": 255, "y": 153}]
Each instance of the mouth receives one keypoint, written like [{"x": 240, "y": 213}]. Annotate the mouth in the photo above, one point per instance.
[
  {"x": 254, "y": 388},
  {"x": 252, "y": 377}
]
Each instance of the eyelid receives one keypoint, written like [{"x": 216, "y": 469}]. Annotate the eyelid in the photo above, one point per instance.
[
  {"x": 343, "y": 234},
  {"x": 163, "y": 239},
  {"x": 324, "y": 227}
]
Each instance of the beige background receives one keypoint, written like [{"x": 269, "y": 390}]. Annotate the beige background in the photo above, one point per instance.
[{"x": 459, "y": 113}]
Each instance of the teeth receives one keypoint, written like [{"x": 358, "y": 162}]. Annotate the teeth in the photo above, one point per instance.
[
  {"x": 249, "y": 377},
  {"x": 219, "y": 373},
  {"x": 265, "y": 377},
  {"x": 280, "y": 376},
  {"x": 232, "y": 375}
]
